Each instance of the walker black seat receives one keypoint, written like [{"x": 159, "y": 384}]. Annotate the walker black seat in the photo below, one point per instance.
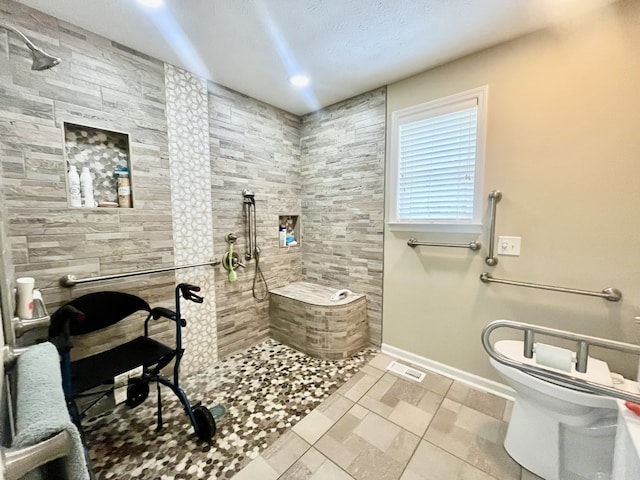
[{"x": 101, "y": 368}]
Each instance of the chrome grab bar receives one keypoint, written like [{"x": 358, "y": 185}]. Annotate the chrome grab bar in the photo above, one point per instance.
[
  {"x": 17, "y": 463},
  {"x": 560, "y": 378},
  {"x": 71, "y": 280},
  {"x": 494, "y": 198},
  {"x": 412, "y": 242},
  {"x": 40, "y": 318},
  {"x": 609, "y": 293}
]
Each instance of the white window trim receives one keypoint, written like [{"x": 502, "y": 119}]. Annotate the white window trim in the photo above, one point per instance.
[{"x": 405, "y": 115}]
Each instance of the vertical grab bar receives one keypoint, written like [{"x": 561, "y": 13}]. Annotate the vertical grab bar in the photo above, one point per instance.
[{"x": 494, "y": 197}]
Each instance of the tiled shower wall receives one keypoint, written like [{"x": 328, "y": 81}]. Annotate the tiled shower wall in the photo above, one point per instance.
[
  {"x": 342, "y": 160},
  {"x": 99, "y": 84},
  {"x": 253, "y": 146}
]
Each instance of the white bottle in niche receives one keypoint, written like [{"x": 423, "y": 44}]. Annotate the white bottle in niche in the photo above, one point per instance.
[
  {"x": 86, "y": 183},
  {"x": 74, "y": 187}
]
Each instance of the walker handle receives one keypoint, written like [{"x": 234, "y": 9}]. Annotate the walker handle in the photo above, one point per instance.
[{"x": 187, "y": 292}]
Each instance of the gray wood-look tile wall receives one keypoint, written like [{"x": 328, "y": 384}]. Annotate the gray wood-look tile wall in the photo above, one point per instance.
[
  {"x": 257, "y": 147},
  {"x": 99, "y": 84},
  {"x": 342, "y": 161}
]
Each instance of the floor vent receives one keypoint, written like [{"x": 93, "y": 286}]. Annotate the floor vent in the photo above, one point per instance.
[{"x": 405, "y": 371}]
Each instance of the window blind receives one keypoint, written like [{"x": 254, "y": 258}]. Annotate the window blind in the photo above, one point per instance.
[{"x": 436, "y": 167}]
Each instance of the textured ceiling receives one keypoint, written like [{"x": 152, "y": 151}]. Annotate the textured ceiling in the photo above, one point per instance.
[{"x": 346, "y": 46}]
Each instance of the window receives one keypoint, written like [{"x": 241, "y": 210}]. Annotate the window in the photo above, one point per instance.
[{"x": 437, "y": 151}]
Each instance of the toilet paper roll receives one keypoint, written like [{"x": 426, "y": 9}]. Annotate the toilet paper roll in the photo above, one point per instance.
[
  {"x": 554, "y": 357},
  {"x": 24, "y": 308}
]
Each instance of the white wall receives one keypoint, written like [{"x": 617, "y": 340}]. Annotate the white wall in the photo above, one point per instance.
[{"x": 563, "y": 146}]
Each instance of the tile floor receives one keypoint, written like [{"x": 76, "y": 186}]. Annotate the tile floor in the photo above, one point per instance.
[
  {"x": 381, "y": 426},
  {"x": 294, "y": 417},
  {"x": 266, "y": 389}
]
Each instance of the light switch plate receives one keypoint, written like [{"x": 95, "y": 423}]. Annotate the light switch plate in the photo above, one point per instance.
[{"x": 509, "y": 246}]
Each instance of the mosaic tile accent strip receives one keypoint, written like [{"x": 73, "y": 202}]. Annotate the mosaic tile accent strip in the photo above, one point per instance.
[
  {"x": 188, "y": 133},
  {"x": 266, "y": 389}
]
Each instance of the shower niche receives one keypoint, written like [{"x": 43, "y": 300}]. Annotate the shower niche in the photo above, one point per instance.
[
  {"x": 289, "y": 231},
  {"x": 104, "y": 157}
]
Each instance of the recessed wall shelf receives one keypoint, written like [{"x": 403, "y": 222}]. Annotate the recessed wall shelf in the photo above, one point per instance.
[
  {"x": 103, "y": 152},
  {"x": 289, "y": 231}
]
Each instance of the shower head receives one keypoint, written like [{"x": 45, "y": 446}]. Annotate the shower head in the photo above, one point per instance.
[
  {"x": 41, "y": 59},
  {"x": 248, "y": 193}
]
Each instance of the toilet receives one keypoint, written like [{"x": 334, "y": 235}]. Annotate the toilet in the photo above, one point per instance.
[{"x": 559, "y": 432}]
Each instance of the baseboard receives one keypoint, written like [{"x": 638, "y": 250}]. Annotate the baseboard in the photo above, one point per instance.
[{"x": 471, "y": 379}]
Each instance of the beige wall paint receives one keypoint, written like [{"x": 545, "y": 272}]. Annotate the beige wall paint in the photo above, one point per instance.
[{"x": 563, "y": 146}]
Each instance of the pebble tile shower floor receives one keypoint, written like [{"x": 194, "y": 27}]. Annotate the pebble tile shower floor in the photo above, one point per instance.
[{"x": 266, "y": 389}]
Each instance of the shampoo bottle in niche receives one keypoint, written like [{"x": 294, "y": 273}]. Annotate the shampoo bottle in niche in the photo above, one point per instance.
[
  {"x": 86, "y": 185},
  {"x": 124, "y": 187},
  {"x": 74, "y": 187}
]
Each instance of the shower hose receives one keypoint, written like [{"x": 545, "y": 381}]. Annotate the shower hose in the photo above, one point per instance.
[{"x": 259, "y": 277}]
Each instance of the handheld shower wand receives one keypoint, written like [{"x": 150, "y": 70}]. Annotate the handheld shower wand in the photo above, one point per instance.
[
  {"x": 41, "y": 59},
  {"x": 249, "y": 206}
]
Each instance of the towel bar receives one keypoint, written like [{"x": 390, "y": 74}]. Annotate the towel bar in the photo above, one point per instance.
[
  {"x": 41, "y": 319},
  {"x": 10, "y": 355},
  {"x": 18, "y": 463}
]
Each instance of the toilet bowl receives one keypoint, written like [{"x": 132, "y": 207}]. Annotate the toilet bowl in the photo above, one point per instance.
[{"x": 555, "y": 431}]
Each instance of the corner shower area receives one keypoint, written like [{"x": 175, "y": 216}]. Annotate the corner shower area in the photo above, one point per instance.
[{"x": 319, "y": 180}]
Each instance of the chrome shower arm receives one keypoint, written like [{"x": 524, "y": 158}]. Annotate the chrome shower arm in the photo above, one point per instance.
[
  {"x": 41, "y": 59},
  {"x": 24, "y": 38}
]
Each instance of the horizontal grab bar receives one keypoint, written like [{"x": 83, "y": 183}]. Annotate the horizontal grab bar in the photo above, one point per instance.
[
  {"x": 17, "y": 463},
  {"x": 71, "y": 280},
  {"x": 412, "y": 242},
  {"x": 609, "y": 293},
  {"x": 563, "y": 379}
]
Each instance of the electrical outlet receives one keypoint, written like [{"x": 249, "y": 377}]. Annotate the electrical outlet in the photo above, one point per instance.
[{"x": 509, "y": 246}]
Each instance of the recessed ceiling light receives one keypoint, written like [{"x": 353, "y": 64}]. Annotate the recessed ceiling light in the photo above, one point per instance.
[
  {"x": 152, "y": 3},
  {"x": 299, "y": 80}
]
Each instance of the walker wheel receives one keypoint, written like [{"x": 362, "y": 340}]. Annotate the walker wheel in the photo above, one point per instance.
[
  {"x": 137, "y": 392},
  {"x": 205, "y": 423}
]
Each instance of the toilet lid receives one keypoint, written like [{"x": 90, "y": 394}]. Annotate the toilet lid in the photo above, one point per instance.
[{"x": 597, "y": 370}]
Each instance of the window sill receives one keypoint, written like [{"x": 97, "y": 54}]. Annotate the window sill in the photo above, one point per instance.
[{"x": 471, "y": 228}]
